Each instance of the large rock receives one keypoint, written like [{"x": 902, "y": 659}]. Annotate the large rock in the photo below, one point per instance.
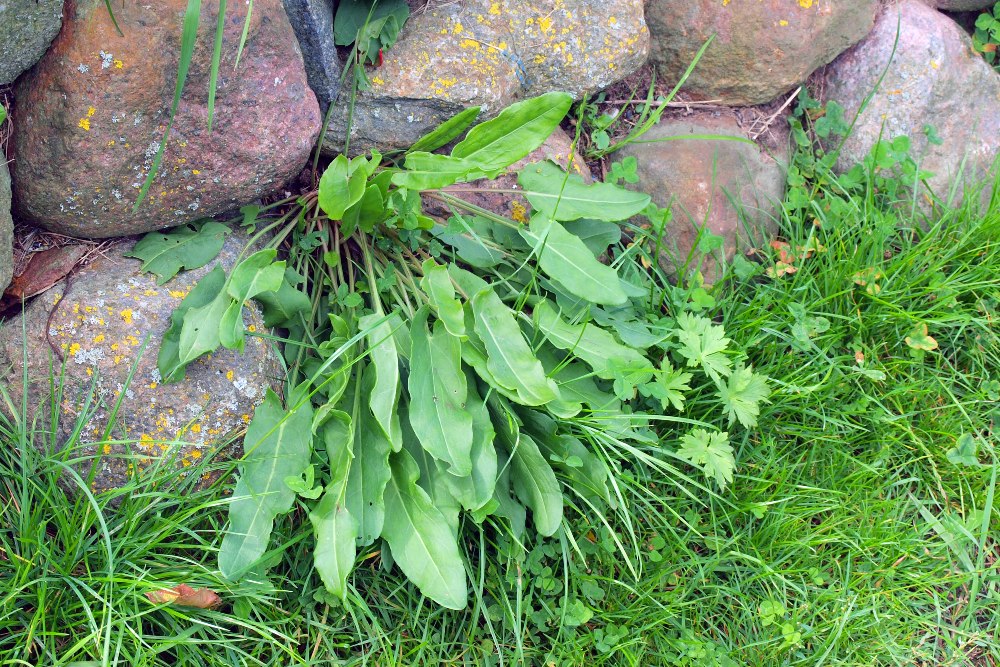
[
  {"x": 92, "y": 114},
  {"x": 934, "y": 80},
  {"x": 27, "y": 27},
  {"x": 493, "y": 52},
  {"x": 312, "y": 21},
  {"x": 6, "y": 229},
  {"x": 728, "y": 185},
  {"x": 97, "y": 327},
  {"x": 962, "y": 5},
  {"x": 761, "y": 49}
]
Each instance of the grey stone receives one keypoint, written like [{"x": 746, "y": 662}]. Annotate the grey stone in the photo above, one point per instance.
[
  {"x": 733, "y": 188},
  {"x": 6, "y": 229},
  {"x": 490, "y": 53},
  {"x": 99, "y": 325},
  {"x": 934, "y": 80},
  {"x": 761, "y": 49},
  {"x": 312, "y": 21},
  {"x": 962, "y": 5},
  {"x": 385, "y": 123},
  {"x": 27, "y": 27}
]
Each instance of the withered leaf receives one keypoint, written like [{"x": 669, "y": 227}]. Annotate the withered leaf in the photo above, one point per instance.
[{"x": 185, "y": 596}]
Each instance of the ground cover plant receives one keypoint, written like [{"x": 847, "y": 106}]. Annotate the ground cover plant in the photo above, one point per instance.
[{"x": 855, "y": 521}]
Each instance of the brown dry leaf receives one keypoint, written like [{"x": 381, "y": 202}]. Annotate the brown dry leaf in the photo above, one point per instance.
[
  {"x": 185, "y": 596},
  {"x": 44, "y": 270}
]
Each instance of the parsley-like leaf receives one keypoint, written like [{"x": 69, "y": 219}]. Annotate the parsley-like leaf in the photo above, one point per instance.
[
  {"x": 668, "y": 385},
  {"x": 742, "y": 395},
  {"x": 711, "y": 452},
  {"x": 704, "y": 344}
]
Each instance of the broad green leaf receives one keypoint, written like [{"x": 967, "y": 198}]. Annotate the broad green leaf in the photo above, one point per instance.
[
  {"x": 277, "y": 445},
  {"x": 353, "y": 15},
  {"x": 508, "y": 506},
  {"x": 430, "y": 171},
  {"x": 369, "y": 471},
  {"x": 711, "y": 452},
  {"x": 597, "y": 235},
  {"x": 742, "y": 394},
  {"x": 186, "y": 247},
  {"x": 255, "y": 274},
  {"x": 200, "y": 330},
  {"x": 203, "y": 293},
  {"x": 438, "y": 394},
  {"x": 284, "y": 304},
  {"x": 476, "y": 490},
  {"x": 336, "y": 532},
  {"x": 510, "y": 360},
  {"x": 516, "y": 131},
  {"x": 339, "y": 189},
  {"x": 433, "y": 476},
  {"x": 587, "y": 473},
  {"x": 446, "y": 131},
  {"x": 589, "y": 342},
  {"x": 338, "y": 441},
  {"x": 231, "y": 333},
  {"x": 561, "y": 196},
  {"x": 536, "y": 486},
  {"x": 365, "y": 213},
  {"x": 386, "y": 387},
  {"x": 576, "y": 383},
  {"x": 470, "y": 244},
  {"x": 704, "y": 344},
  {"x": 420, "y": 539},
  {"x": 566, "y": 260},
  {"x": 440, "y": 291}
]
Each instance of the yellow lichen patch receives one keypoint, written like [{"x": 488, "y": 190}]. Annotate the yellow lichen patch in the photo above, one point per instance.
[
  {"x": 457, "y": 29},
  {"x": 229, "y": 376},
  {"x": 252, "y": 328},
  {"x": 495, "y": 8},
  {"x": 91, "y": 111},
  {"x": 126, "y": 315},
  {"x": 196, "y": 454},
  {"x": 783, "y": 23},
  {"x": 74, "y": 348},
  {"x": 518, "y": 211},
  {"x": 152, "y": 385},
  {"x": 85, "y": 124},
  {"x": 806, "y": 4},
  {"x": 99, "y": 338},
  {"x": 106, "y": 449},
  {"x": 196, "y": 171},
  {"x": 196, "y": 428},
  {"x": 119, "y": 64}
]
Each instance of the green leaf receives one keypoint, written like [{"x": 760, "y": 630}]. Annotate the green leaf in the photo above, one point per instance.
[
  {"x": 510, "y": 361},
  {"x": 438, "y": 394},
  {"x": 563, "y": 196},
  {"x": 440, "y": 291},
  {"x": 336, "y": 532},
  {"x": 283, "y": 305},
  {"x": 536, "y": 486},
  {"x": 742, "y": 395},
  {"x": 475, "y": 491},
  {"x": 231, "y": 333},
  {"x": 366, "y": 213},
  {"x": 430, "y": 171},
  {"x": 186, "y": 247},
  {"x": 446, "y": 131},
  {"x": 3, "y": 113},
  {"x": 473, "y": 249},
  {"x": 566, "y": 259},
  {"x": 589, "y": 342},
  {"x": 369, "y": 471},
  {"x": 277, "y": 445},
  {"x": 965, "y": 452},
  {"x": 420, "y": 539},
  {"x": 711, "y": 452},
  {"x": 918, "y": 339},
  {"x": 207, "y": 289},
  {"x": 516, "y": 131},
  {"x": 339, "y": 188},
  {"x": 353, "y": 15},
  {"x": 668, "y": 386},
  {"x": 385, "y": 366},
  {"x": 597, "y": 235},
  {"x": 703, "y": 344},
  {"x": 200, "y": 329},
  {"x": 255, "y": 274}
]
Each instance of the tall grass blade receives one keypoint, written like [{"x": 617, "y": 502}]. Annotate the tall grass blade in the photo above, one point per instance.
[{"x": 216, "y": 57}]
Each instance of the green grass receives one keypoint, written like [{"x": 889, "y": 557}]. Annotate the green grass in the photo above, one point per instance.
[{"x": 848, "y": 536}]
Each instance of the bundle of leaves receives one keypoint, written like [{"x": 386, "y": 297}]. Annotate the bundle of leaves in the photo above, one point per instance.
[{"x": 448, "y": 374}]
